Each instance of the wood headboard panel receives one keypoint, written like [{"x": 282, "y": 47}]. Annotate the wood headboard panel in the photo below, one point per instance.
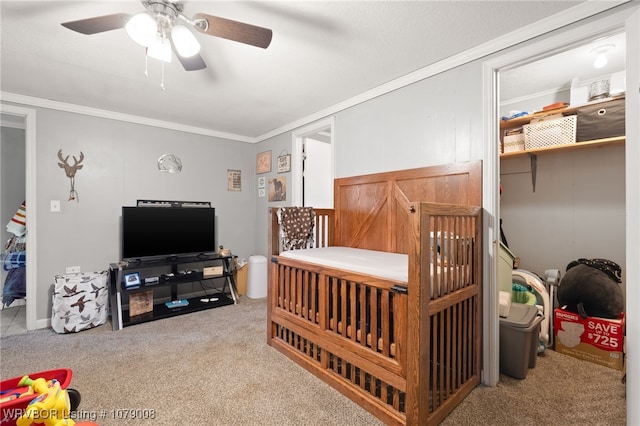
[{"x": 372, "y": 211}]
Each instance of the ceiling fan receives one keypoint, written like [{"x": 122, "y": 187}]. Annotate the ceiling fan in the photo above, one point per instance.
[{"x": 163, "y": 28}]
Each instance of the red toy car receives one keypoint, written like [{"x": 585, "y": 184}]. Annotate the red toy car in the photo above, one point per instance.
[{"x": 15, "y": 397}]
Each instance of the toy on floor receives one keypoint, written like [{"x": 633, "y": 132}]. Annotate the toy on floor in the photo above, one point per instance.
[
  {"x": 591, "y": 287},
  {"x": 44, "y": 400},
  {"x": 51, "y": 407}
]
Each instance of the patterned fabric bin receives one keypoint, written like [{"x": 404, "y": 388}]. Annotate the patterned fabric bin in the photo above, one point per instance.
[{"x": 80, "y": 301}]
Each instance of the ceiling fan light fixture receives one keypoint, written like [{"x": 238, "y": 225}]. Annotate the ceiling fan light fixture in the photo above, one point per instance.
[
  {"x": 160, "y": 49},
  {"x": 184, "y": 40},
  {"x": 601, "y": 61},
  {"x": 601, "y": 55},
  {"x": 142, "y": 29}
]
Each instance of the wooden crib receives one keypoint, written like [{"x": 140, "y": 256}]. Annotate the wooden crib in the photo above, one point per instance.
[{"x": 408, "y": 352}]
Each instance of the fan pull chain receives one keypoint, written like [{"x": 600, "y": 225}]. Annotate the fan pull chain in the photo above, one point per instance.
[
  {"x": 162, "y": 82},
  {"x": 146, "y": 66}
]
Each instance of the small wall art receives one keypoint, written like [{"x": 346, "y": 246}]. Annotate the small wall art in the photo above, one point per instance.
[
  {"x": 70, "y": 170},
  {"x": 278, "y": 189},
  {"x": 263, "y": 162},
  {"x": 234, "y": 180},
  {"x": 284, "y": 163}
]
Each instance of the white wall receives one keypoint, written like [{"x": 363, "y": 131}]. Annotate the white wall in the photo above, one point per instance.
[
  {"x": 119, "y": 168},
  {"x": 318, "y": 189},
  {"x": 434, "y": 121}
]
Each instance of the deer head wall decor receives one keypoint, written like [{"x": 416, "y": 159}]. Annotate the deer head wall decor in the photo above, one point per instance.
[{"x": 70, "y": 171}]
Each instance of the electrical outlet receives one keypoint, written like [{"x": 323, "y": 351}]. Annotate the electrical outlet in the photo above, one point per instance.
[{"x": 73, "y": 269}]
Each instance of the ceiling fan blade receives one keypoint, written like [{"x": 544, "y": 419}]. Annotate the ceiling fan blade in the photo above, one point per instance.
[
  {"x": 192, "y": 63},
  {"x": 98, "y": 24},
  {"x": 234, "y": 30}
]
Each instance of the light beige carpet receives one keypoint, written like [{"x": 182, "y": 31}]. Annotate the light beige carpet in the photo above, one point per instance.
[{"x": 214, "y": 368}]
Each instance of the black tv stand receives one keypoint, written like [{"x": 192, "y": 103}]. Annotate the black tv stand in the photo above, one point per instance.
[{"x": 167, "y": 275}]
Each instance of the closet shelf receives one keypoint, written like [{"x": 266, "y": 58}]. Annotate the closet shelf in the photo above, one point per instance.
[
  {"x": 597, "y": 143},
  {"x": 565, "y": 111}
]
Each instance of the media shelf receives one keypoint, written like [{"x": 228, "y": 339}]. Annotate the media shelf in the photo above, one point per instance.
[{"x": 145, "y": 279}]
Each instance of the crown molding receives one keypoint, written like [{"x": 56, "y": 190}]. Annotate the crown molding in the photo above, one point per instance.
[
  {"x": 112, "y": 115},
  {"x": 551, "y": 23}
]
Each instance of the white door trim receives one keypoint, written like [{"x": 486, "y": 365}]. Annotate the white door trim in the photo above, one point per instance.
[
  {"x": 632, "y": 183},
  {"x": 296, "y": 156},
  {"x": 29, "y": 116},
  {"x": 491, "y": 167}
]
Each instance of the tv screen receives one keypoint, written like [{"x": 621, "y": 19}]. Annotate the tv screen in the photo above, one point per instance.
[{"x": 167, "y": 231}]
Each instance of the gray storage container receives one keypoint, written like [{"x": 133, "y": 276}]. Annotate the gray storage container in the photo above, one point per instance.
[{"x": 519, "y": 334}]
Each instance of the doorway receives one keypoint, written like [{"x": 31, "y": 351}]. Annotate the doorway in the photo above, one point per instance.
[
  {"x": 26, "y": 119},
  {"x": 561, "y": 212},
  {"x": 491, "y": 173},
  {"x": 313, "y": 165},
  {"x": 12, "y": 194}
]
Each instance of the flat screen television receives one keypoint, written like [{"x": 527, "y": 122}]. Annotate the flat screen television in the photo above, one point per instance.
[{"x": 154, "y": 232}]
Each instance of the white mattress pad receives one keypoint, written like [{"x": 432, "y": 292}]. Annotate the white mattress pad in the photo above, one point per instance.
[{"x": 392, "y": 266}]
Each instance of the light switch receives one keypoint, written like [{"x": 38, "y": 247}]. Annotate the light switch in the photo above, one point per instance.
[{"x": 55, "y": 205}]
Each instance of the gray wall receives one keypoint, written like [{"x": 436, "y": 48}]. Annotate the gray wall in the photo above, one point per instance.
[
  {"x": 577, "y": 210},
  {"x": 119, "y": 168},
  {"x": 276, "y": 145},
  {"x": 426, "y": 123}
]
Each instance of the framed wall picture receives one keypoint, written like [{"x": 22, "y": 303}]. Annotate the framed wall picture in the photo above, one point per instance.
[
  {"x": 132, "y": 280},
  {"x": 263, "y": 162},
  {"x": 278, "y": 189},
  {"x": 234, "y": 180},
  {"x": 284, "y": 163}
]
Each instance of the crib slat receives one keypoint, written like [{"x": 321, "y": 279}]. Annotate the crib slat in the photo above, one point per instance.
[
  {"x": 304, "y": 305},
  {"x": 314, "y": 301},
  {"x": 280, "y": 278},
  {"x": 297, "y": 294},
  {"x": 353, "y": 319},
  {"x": 287, "y": 290},
  {"x": 342, "y": 284},
  {"x": 455, "y": 350},
  {"x": 362, "y": 328},
  {"x": 386, "y": 323},
  {"x": 373, "y": 319},
  {"x": 434, "y": 363},
  {"x": 400, "y": 329}
]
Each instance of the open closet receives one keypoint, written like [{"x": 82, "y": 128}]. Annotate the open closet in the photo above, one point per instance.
[{"x": 563, "y": 193}]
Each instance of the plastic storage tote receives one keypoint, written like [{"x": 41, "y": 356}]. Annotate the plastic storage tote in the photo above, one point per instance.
[{"x": 519, "y": 334}]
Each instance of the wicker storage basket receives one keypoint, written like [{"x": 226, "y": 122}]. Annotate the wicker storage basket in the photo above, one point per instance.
[
  {"x": 559, "y": 131},
  {"x": 513, "y": 143}
]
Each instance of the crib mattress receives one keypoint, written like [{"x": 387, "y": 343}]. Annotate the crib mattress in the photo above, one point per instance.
[{"x": 391, "y": 266}]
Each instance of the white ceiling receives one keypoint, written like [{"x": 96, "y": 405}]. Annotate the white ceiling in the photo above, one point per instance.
[
  {"x": 556, "y": 72},
  {"x": 323, "y": 53}
]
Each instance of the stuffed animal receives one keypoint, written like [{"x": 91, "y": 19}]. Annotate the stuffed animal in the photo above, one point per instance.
[{"x": 591, "y": 287}]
